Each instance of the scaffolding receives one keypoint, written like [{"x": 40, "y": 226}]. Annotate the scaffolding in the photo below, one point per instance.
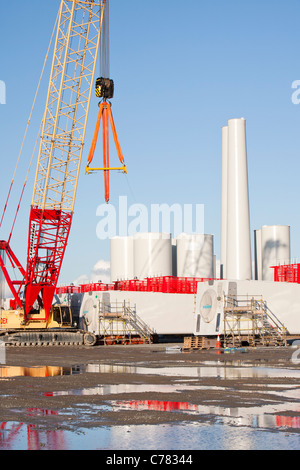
[
  {"x": 249, "y": 321},
  {"x": 120, "y": 324}
]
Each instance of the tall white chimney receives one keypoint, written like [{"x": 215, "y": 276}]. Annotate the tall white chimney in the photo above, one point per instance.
[
  {"x": 238, "y": 252},
  {"x": 224, "y": 202}
]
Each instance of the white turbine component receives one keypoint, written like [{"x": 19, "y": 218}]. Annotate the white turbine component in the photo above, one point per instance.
[
  {"x": 152, "y": 255},
  {"x": 121, "y": 259},
  {"x": 195, "y": 256},
  {"x": 238, "y": 256},
  {"x": 275, "y": 249}
]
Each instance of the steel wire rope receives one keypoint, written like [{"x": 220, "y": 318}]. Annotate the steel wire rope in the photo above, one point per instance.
[
  {"x": 104, "y": 46},
  {"x": 25, "y": 134},
  {"x": 131, "y": 189},
  {"x": 25, "y": 183}
]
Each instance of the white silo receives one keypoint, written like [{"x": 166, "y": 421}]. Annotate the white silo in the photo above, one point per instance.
[
  {"x": 195, "y": 255},
  {"x": 152, "y": 255},
  {"x": 224, "y": 214},
  {"x": 275, "y": 248},
  {"x": 121, "y": 259},
  {"x": 238, "y": 253}
]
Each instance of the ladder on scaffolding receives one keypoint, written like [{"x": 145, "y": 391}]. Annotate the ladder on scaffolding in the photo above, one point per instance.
[
  {"x": 120, "y": 324},
  {"x": 248, "y": 320}
]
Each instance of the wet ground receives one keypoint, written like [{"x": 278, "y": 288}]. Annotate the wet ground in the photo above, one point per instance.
[{"x": 149, "y": 397}]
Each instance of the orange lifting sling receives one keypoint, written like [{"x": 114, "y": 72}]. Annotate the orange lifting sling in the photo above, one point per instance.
[{"x": 106, "y": 114}]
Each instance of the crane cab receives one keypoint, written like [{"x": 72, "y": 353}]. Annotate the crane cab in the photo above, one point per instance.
[{"x": 14, "y": 318}]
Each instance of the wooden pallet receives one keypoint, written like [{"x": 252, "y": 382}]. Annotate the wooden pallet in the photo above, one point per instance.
[
  {"x": 255, "y": 341},
  {"x": 125, "y": 340},
  {"x": 198, "y": 343}
]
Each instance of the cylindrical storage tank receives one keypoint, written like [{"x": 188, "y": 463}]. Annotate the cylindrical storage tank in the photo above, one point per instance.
[
  {"x": 238, "y": 254},
  {"x": 224, "y": 200},
  {"x": 152, "y": 255},
  {"x": 195, "y": 256},
  {"x": 121, "y": 259},
  {"x": 275, "y": 248}
]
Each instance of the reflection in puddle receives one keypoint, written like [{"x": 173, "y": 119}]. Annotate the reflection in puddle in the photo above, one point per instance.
[
  {"x": 290, "y": 392},
  {"x": 128, "y": 388},
  {"x": 191, "y": 436},
  {"x": 270, "y": 416},
  {"x": 220, "y": 371},
  {"x": 42, "y": 371},
  {"x": 265, "y": 417},
  {"x": 19, "y": 436}
]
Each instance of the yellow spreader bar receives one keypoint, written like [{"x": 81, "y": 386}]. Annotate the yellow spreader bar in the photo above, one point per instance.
[{"x": 89, "y": 170}]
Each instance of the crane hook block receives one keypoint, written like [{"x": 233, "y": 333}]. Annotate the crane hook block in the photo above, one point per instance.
[{"x": 105, "y": 88}]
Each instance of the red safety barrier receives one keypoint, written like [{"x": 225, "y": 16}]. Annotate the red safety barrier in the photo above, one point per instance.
[
  {"x": 67, "y": 290},
  {"x": 96, "y": 287},
  {"x": 165, "y": 285},
  {"x": 287, "y": 273}
]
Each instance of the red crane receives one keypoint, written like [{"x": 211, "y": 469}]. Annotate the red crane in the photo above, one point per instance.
[{"x": 63, "y": 129}]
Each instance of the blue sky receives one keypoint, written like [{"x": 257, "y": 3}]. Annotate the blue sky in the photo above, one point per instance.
[{"x": 181, "y": 70}]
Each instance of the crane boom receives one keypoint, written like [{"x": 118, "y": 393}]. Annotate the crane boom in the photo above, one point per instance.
[
  {"x": 33, "y": 318},
  {"x": 62, "y": 140}
]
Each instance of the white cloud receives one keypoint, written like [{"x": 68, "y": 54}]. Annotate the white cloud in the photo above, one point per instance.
[
  {"x": 81, "y": 280},
  {"x": 100, "y": 272}
]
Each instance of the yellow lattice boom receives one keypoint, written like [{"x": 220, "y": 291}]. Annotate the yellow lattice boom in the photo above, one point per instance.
[{"x": 65, "y": 119}]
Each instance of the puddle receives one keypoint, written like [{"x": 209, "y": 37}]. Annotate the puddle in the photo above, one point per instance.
[{"x": 192, "y": 436}]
